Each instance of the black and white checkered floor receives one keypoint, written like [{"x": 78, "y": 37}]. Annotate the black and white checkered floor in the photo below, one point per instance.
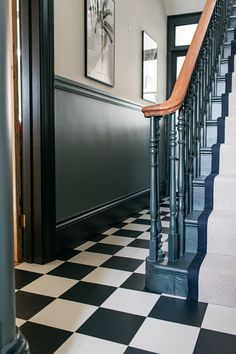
[{"x": 93, "y": 300}]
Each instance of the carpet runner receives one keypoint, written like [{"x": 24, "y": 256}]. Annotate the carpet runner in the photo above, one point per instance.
[{"x": 212, "y": 274}]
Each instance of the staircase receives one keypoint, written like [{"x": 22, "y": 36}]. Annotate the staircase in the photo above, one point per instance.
[{"x": 201, "y": 262}]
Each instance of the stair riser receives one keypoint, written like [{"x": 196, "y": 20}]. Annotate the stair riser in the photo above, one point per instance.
[
  {"x": 198, "y": 197},
  {"x": 232, "y": 22},
  {"x": 230, "y": 36},
  {"x": 223, "y": 68},
  {"x": 216, "y": 109},
  {"x": 206, "y": 164},
  {"x": 226, "y": 51},
  {"x": 220, "y": 87},
  {"x": 191, "y": 232},
  {"x": 211, "y": 135},
  {"x": 233, "y": 11}
]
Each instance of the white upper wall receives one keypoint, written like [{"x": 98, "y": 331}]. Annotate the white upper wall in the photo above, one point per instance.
[
  {"x": 176, "y": 7},
  {"x": 132, "y": 16}
]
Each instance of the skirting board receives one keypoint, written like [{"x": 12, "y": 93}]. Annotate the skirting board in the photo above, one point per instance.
[{"x": 71, "y": 233}]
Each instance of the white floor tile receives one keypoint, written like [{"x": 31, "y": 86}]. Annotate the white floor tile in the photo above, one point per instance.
[
  {"x": 165, "y": 247},
  {"x": 141, "y": 269},
  {"x": 144, "y": 236},
  {"x": 136, "y": 227},
  {"x": 165, "y": 223},
  {"x": 117, "y": 240},
  {"x": 85, "y": 246},
  {"x": 64, "y": 314},
  {"x": 165, "y": 337},
  {"x": 105, "y": 276},
  {"x": 50, "y": 285},
  {"x": 38, "y": 268},
  {"x": 133, "y": 252},
  {"x": 220, "y": 319},
  {"x": 145, "y": 211},
  {"x": 110, "y": 231},
  {"x": 165, "y": 209},
  {"x": 81, "y": 344},
  {"x": 90, "y": 258},
  {"x": 145, "y": 217},
  {"x": 164, "y": 237},
  {"x": 127, "y": 221},
  {"x": 135, "y": 302},
  {"x": 19, "y": 322}
]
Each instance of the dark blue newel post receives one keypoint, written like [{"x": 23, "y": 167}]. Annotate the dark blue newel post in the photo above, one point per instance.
[
  {"x": 156, "y": 253},
  {"x": 11, "y": 340}
]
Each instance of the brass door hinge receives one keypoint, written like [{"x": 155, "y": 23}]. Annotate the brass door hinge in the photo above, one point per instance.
[{"x": 22, "y": 221}]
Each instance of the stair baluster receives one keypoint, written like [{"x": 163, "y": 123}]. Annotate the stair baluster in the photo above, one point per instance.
[{"x": 156, "y": 254}]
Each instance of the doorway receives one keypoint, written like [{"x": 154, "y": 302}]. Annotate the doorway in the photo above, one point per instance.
[
  {"x": 33, "y": 143},
  {"x": 181, "y": 29},
  {"x": 16, "y": 105}
]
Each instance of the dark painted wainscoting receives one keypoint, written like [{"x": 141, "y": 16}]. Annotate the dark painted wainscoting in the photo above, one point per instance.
[{"x": 102, "y": 161}]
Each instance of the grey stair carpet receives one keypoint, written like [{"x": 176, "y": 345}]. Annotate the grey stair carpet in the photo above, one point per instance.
[{"x": 212, "y": 274}]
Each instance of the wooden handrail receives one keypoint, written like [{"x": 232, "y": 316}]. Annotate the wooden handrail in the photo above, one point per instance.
[{"x": 181, "y": 86}]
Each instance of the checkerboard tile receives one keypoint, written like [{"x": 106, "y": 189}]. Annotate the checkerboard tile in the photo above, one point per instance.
[{"x": 93, "y": 300}]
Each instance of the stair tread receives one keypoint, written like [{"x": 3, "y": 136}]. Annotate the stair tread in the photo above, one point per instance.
[
  {"x": 192, "y": 218},
  {"x": 212, "y": 122},
  {"x": 217, "y": 280}
]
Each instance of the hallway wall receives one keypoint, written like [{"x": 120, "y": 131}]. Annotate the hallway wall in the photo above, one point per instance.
[
  {"x": 102, "y": 141},
  {"x": 131, "y": 18}
]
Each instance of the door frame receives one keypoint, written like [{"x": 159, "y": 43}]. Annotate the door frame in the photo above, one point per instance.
[
  {"x": 38, "y": 133},
  {"x": 173, "y": 50}
]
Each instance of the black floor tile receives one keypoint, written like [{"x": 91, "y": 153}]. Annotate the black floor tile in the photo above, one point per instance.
[
  {"x": 165, "y": 230},
  {"x": 215, "y": 342},
  {"x": 72, "y": 270},
  {"x": 111, "y": 325},
  {"x": 98, "y": 238},
  {"x": 165, "y": 205},
  {"x": 166, "y": 218},
  {"x": 28, "y": 304},
  {"x": 119, "y": 225},
  {"x": 141, "y": 222},
  {"x": 43, "y": 339},
  {"x": 67, "y": 255},
  {"x": 88, "y": 293},
  {"x": 105, "y": 248},
  {"x": 140, "y": 244},
  {"x": 135, "y": 282},
  {"x": 135, "y": 215},
  {"x": 128, "y": 233},
  {"x": 122, "y": 263},
  {"x": 131, "y": 350},
  {"x": 23, "y": 278},
  {"x": 180, "y": 311},
  {"x": 164, "y": 213}
]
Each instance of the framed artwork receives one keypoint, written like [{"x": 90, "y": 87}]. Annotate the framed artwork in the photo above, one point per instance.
[
  {"x": 100, "y": 40},
  {"x": 149, "y": 60}
]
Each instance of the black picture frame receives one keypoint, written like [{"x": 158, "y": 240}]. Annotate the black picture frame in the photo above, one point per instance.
[
  {"x": 100, "y": 67},
  {"x": 149, "y": 73}
]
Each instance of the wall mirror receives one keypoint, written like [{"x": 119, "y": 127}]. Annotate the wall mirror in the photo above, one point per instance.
[{"x": 149, "y": 56}]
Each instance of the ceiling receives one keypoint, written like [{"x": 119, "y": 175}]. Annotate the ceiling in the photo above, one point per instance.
[{"x": 174, "y": 7}]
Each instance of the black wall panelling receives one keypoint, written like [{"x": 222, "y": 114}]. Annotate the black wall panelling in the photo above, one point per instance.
[{"x": 102, "y": 159}]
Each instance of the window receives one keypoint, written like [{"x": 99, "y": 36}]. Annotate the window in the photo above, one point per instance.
[{"x": 184, "y": 34}]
